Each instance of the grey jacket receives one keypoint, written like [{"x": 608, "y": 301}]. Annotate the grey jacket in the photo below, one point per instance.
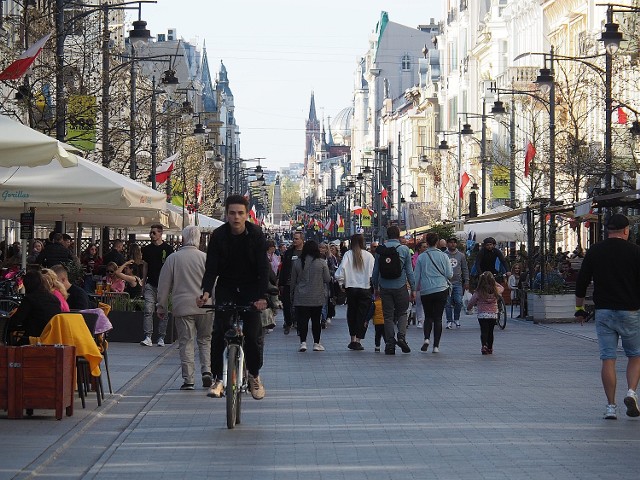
[
  {"x": 459, "y": 266},
  {"x": 180, "y": 277},
  {"x": 308, "y": 283}
]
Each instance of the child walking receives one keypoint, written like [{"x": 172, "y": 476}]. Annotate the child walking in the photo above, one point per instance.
[{"x": 485, "y": 298}]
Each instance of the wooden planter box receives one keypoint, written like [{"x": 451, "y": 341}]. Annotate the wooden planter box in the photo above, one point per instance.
[
  {"x": 127, "y": 327},
  {"x": 37, "y": 377},
  {"x": 559, "y": 308}
]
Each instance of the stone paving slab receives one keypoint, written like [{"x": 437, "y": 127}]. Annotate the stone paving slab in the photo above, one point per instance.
[{"x": 532, "y": 410}]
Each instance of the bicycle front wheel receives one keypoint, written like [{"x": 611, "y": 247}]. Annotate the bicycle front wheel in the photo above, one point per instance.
[
  {"x": 232, "y": 389},
  {"x": 502, "y": 315}
]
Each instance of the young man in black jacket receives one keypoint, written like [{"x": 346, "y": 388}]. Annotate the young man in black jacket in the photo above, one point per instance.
[{"x": 237, "y": 258}]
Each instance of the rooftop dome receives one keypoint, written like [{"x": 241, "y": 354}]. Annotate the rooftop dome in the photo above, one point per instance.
[{"x": 341, "y": 126}]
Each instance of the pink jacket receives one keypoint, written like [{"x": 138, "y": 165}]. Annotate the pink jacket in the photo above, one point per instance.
[{"x": 485, "y": 305}]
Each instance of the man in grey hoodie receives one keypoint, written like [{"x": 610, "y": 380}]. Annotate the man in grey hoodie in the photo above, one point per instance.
[
  {"x": 393, "y": 293},
  {"x": 459, "y": 282}
]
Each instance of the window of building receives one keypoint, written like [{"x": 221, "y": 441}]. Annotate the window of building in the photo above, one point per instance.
[{"x": 406, "y": 62}]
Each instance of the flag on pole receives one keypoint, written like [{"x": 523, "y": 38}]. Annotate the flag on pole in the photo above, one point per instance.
[
  {"x": 530, "y": 152},
  {"x": 384, "y": 194},
  {"x": 246, "y": 195},
  {"x": 328, "y": 225},
  {"x": 163, "y": 171},
  {"x": 622, "y": 116},
  {"x": 464, "y": 180},
  {"x": 199, "y": 192},
  {"x": 20, "y": 66},
  {"x": 340, "y": 223},
  {"x": 252, "y": 214}
]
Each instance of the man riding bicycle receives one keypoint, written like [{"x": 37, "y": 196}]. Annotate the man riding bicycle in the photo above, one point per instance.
[
  {"x": 237, "y": 258},
  {"x": 490, "y": 259}
]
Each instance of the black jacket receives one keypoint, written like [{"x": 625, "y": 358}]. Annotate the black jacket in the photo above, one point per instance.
[
  {"x": 253, "y": 282},
  {"x": 35, "y": 311},
  {"x": 286, "y": 266},
  {"x": 54, "y": 254}
]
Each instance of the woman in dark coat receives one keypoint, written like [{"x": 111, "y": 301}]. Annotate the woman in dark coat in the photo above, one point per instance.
[{"x": 38, "y": 306}]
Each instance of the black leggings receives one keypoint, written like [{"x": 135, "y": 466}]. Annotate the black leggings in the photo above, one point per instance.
[
  {"x": 486, "y": 331},
  {"x": 303, "y": 314},
  {"x": 433, "y": 305},
  {"x": 358, "y": 303}
]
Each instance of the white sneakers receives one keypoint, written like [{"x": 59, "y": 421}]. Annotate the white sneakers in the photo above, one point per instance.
[
  {"x": 256, "y": 388},
  {"x": 318, "y": 348},
  {"x": 610, "y": 412},
  {"x": 631, "y": 401},
  {"x": 303, "y": 347},
  {"x": 161, "y": 342},
  {"x": 147, "y": 342},
  {"x": 436, "y": 350}
]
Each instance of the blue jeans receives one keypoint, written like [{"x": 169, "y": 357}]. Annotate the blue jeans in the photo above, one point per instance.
[
  {"x": 614, "y": 324},
  {"x": 453, "y": 313}
]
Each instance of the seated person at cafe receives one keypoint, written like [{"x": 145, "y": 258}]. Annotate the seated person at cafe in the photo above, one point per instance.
[
  {"x": 54, "y": 252},
  {"x": 78, "y": 298},
  {"x": 56, "y": 287},
  {"x": 37, "y": 307},
  {"x": 127, "y": 272},
  {"x": 115, "y": 283},
  {"x": 552, "y": 279}
]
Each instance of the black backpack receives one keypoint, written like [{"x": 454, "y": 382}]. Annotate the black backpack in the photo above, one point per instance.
[{"x": 389, "y": 263}]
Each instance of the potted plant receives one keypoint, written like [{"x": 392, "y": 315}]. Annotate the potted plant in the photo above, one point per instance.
[{"x": 551, "y": 305}]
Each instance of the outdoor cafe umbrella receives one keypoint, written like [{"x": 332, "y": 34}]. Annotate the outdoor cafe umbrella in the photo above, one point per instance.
[
  {"x": 88, "y": 193},
  {"x": 23, "y": 146}
]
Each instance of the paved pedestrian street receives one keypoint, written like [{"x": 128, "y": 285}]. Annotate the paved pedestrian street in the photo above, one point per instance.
[{"x": 532, "y": 410}]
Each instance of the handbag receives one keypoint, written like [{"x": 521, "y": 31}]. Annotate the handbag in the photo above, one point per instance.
[{"x": 449, "y": 286}]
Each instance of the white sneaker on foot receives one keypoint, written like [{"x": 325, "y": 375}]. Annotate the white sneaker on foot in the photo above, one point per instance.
[
  {"x": 610, "y": 412},
  {"x": 161, "y": 342},
  {"x": 425, "y": 345},
  {"x": 318, "y": 348},
  {"x": 631, "y": 401},
  {"x": 257, "y": 389},
  {"x": 147, "y": 342},
  {"x": 419, "y": 324},
  {"x": 457, "y": 324},
  {"x": 436, "y": 350},
  {"x": 449, "y": 325},
  {"x": 303, "y": 347}
]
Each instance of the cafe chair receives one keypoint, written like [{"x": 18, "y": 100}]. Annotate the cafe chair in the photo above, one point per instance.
[
  {"x": 100, "y": 337},
  {"x": 86, "y": 380}
]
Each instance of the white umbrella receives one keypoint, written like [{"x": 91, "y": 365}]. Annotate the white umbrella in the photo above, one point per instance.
[
  {"x": 23, "y": 146},
  {"x": 208, "y": 224},
  {"x": 88, "y": 193}
]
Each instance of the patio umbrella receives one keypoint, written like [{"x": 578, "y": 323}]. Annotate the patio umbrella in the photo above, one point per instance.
[
  {"x": 88, "y": 193},
  {"x": 23, "y": 146}
]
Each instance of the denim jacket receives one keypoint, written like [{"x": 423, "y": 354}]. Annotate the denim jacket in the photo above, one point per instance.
[{"x": 407, "y": 269}]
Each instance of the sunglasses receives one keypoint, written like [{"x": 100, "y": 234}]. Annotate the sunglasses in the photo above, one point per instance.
[{"x": 153, "y": 233}]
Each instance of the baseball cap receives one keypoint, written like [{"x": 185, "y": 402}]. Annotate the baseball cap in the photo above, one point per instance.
[{"x": 617, "y": 221}]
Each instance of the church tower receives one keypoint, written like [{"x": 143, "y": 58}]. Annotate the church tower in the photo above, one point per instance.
[{"x": 312, "y": 133}]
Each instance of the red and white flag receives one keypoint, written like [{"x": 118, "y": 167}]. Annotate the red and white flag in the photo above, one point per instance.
[
  {"x": 530, "y": 152},
  {"x": 384, "y": 194},
  {"x": 163, "y": 171},
  {"x": 252, "y": 214},
  {"x": 20, "y": 66},
  {"x": 464, "y": 180},
  {"x": 246, "y": 195},
  {"x": 328, "y": 225}
]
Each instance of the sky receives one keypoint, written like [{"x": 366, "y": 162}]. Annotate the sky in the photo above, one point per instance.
[{"x": 277, "y": 52}]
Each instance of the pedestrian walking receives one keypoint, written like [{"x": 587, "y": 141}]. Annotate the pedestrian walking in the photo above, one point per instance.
[
  {"x": 391, "y": 273},
  {"x": 284, "y": 279},
  {"x": 433, "y": 272},
  {"x": 354, "y": 273},
  {"x": 153, "y": 257},
  {"x": 485, "y": 298},
  {"x": 180, "y": 279},
  {"x": 614, "y": 267},
  {"x": 459, "y": 282},
  {"x": 309, "y": 280}
]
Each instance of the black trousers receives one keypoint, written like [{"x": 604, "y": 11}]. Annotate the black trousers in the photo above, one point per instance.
[
  {"x": 358, "y": 303},
  {"x": 252, "y": 329},
  {"x": 303, "y": 315},
  {"x": 287, "y": 308},
  {"x": 486, "y": 331},
  {"x": 433, "y": 305}
]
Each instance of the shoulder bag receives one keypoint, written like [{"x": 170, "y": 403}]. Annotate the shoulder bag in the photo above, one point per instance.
[{"x": 449, "y": 286}]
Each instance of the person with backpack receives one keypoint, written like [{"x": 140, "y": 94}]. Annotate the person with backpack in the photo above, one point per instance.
[{"x": 391, "y": 272}]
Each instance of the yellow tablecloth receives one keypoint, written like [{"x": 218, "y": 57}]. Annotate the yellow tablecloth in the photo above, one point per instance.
[{"x": 70, "y": 329}]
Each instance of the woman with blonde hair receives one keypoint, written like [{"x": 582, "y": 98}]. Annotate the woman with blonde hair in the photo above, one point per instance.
[
  {"x": 55, "y": 286},
  {"x": 354, "y": 273}
]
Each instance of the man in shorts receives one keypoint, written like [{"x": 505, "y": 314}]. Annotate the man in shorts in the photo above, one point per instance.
[{"x": 617, "y": 304}]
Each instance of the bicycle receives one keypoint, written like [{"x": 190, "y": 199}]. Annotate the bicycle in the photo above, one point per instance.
[
  {"x": 235, "y": 378},
  {"x": 501, "y": 321}
]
